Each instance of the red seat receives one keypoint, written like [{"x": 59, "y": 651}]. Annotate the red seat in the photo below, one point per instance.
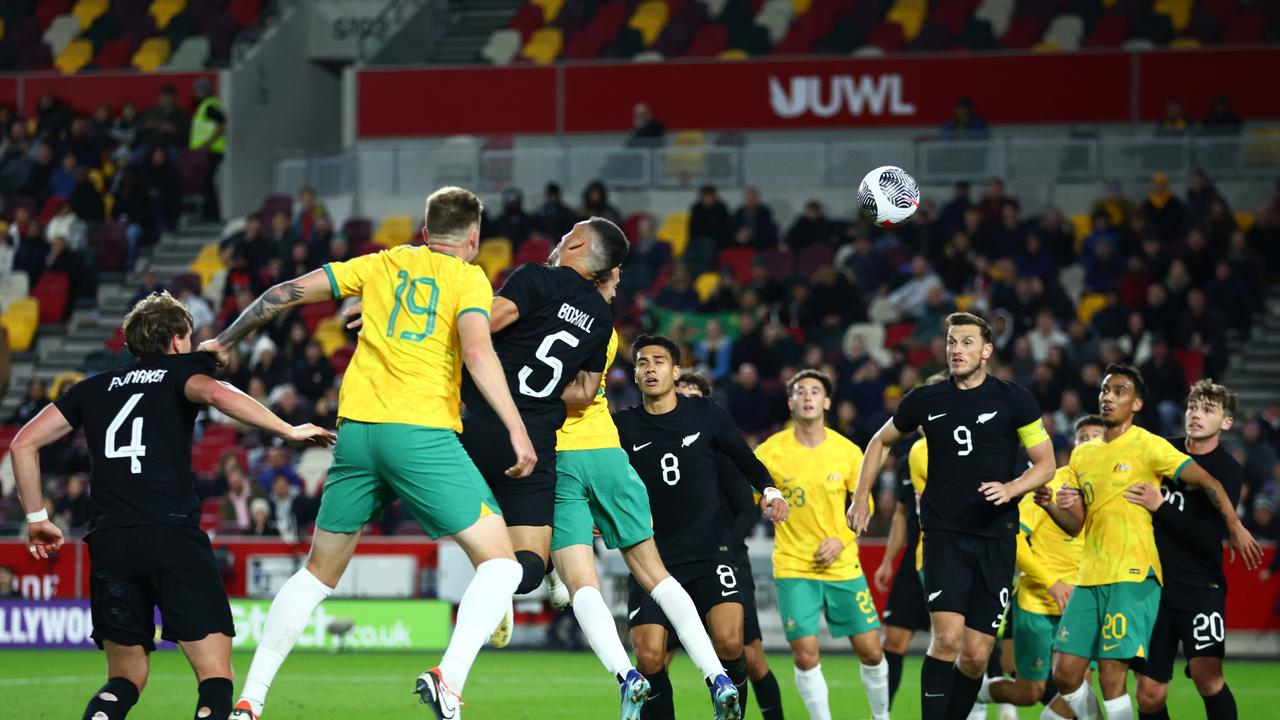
[
  {"x": 114, "y": 55},
  {"x": 219, "y": 434},
  {"x": 315, "y": 312},
  {"x": 276, "y": 203},
  {"x": 1022, "y": 33},
  {"x": 897, "y": 332},
  {"x": 1110, "y": 31},
  {"x": 244, "y": 12},
  {"x": 709, "y": 42},
  {"x": 1192, "y": 362},
  {"x": 51, "y": 208},
  {"x": 341, "y": 359},
  {"x": 116, "y": 342},
  {"x": 631, "y": 226},
  {"x": 527, "y": 19},
  {"x": 108, "y": 251},
  {"x": 52, "y": 291},
  {"x": 739, "y": 259},
  {"x": 191, "y": 169},
  {"x": 919, "y": 356},
  {"x": 534, "y": 249},
  {"x": 1246, "y": 27},
  {"x": 357, "y": 230},
  {"x": 211, "y": 506},
  {"x": 48, "y": 10},
  {"x": 887, "y": 36},
  {"x": 814, "y": 258},
  {"x": 7, "y": 432},
  {"x": 779, "y": 263}
]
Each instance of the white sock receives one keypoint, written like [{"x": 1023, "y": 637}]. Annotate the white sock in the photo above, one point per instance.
[
  {"x": 288, "y": 616},
  {"x": 1078, "y": 700},
  {"x": 978, "y": 711},
  {"x": 683, "y": 616},
  {"x": 813, "y": 691},
  {"x": 1119, "y": 708},
  {"x": 875, "y": 679},
  {"x": 483, "y": 605},
  {"x": 984, "y": 692},
  {"x": 597, "y": 624},
  {"x": 1095, "y": 710},
  {"x": 1006, "y": 711},
  {"x": 1049, "y": 714}
]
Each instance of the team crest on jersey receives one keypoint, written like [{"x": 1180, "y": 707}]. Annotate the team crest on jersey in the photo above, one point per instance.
[
  {"x": 1062, "y": 633},
  {"x": 690, "y": 439},
  {"x": 791, "y": 624},
  {"x": 1038, "y": 664},
  {"x": 833, "y": 477},
  {"x": 1121, "y": 467}
]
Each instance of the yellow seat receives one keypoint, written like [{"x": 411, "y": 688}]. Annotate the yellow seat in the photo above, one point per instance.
[
  {"x": 74, "y": 56},
  {"x": 1179, "y": 12},
  {"x": 919, "y": 5},
  {"x": 153, "y": 53},
  {"x": 210, "y": 252},
  {"x": 494, "y": 257},
  {"x": 1046, "y": 47},
  {"x": 395, "y": 230},
  {"x": 550, "y": 9},
  {"x": 207, "y": 271},
  {"x": 1, "y": 29},
  {"x": 706, "y": 285},
  {"x": 95, "y": 177},
  {"x": 544, "y": 46},
  {"x": 963, "y": 302},
  {"x": 733, "y": 54},
  {"x": 910, "y": 17},
  {"x": 649, "y": 18},
  {"x": 331, "y": 334},
  {"x": 86, "y": 11},
  {"x": 674, "y": 231},
  {"x": 1090, "y": 304},
  {"x": 689, "y": 138},
  {"x": 108, "y": 203},
  {"x": 165, "y": 10},
  {"x": 1083, "y": 225},
  {"x": 21, "y": 319},
  {"x": 61, "y": 381},
  {"x": 1244, "y": 219},
  {"x": 800, "y": 7}
]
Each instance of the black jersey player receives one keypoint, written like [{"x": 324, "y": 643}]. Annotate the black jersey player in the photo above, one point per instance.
[
  {"x": 673, "y": 443},
  {"x": 146, "y": 548},
  {"x": 973, "y": 424},
  {"x": 1189, "y": 533},
  {"x": 551, "y": 330}
]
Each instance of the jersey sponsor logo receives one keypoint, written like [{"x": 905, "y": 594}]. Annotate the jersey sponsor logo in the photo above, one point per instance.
[
  {"x": 982, "y": 418},
  {"x": 641, "y": 446},
  {"x": 935, "y": 417},
  {"x": 140, "y": 377},
  {"x": 690, "y": 439},
  {"x": 576, "y": 317}
]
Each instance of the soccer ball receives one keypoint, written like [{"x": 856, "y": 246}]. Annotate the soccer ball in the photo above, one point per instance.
[{"x": 889, "y": 196}]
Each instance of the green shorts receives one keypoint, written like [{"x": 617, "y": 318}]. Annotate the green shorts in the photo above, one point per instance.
[
  {"x": 600, "y": 488},
  {"x": 848, "y": 605},
  {"x": 1109, "y": 622},
  {"x": 1033, "y": 635},
  {"x": 374, "y": 463}
]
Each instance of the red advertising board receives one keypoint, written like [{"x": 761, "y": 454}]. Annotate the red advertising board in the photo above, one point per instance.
[
  {"x": 781, "y": 94},
  {"x": 52, "y": 578},
  {"x": 86, "y": 91}
]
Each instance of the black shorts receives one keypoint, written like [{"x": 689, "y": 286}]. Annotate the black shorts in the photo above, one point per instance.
[
  {"x": 970, "y": 575},
  {"x": 750, "y": 616},
  {"x": 524, "y": 501},
  {"x": 709, "y": 583},
  {"x": 1192, "y": 616},
  {"x": 905, "y": 606},
  {"x": 134, "y": 570}
]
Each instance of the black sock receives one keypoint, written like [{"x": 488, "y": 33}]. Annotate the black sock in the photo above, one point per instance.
[
  {"x": 1161, "y": 714},
  {"x": 1050, "y": 692},
  {"x": 993, "y": 663},
  {"x": 895, "y": 673},
  {"x": 1221, "y": 706},
  {"x": 768, "y": 696},
  {"x": 964, "y": 691},
  {"x": 737, "y": 671},
  {"x": 113, "y": 700},
  {"x": 935, "y": 687},
  {"x": 660, "y": 706},
  {"x": 214, "y": 699}
]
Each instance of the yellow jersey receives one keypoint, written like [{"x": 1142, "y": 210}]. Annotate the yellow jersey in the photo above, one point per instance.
[
  {"x": 591, "y": 427},
  {"x": 407, "y": 367},
  {"x": 918, "y": 466},
  {"x": 816, "y": 483},
  {"x": 1119, "y": 543},
  {"x": 1046, "y": 553}
]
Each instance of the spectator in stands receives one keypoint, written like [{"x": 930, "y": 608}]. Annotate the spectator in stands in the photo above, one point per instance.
[
  {"x": 235, "y": 503},
  {"x": 1135, "y": 343},
  {"x": 266, "y": 363},
  {"x": 1201, "y": 328},
  {"x": 65, "y": 224},
  {"x": 15, "y": 159},
  {"x": 159, "y": 178},
  {"x": 201, "y": 313},
  {"x": 679, "y": 294},
  {"x": 124, "y": 129},
  {"x": 260, "y": 524},
  {"x": 753, "y": 223},
  {"x": 1032, "y": 260},
  {"x": 52, "y": 119},
  {"x": 595, "y": 203},
  {"x": 318, "y": 245},
  {"x": 554, "y": 219},
  {"x": 1165, "y": 211},
  {"x": 279, "y": 462},
  {"x": 1220, "y": 224},
  {"x": 1118, "y": 208},
  {"x": 288, "y": 510},
  {"x": 1103, "y": 267},
  {"x": 250, "y": 243},
  {"x": 872, "y": 271},
  {"x": 951, "y": 218},
  {"x": 164, "y": 125},
  {"x": 992, "y": 208},
  {"x": 100, "y": 124},
  {"x": 81, "y": 144},
  {"x": 74, "y": 505},
  {"x": 709, "y": 220},
  {"x": 910, "y": 297},
  {"x": 1198, "y": 257},
  {"x": 811, "y": 228},
  {"x": 282, "y": 237},
  {"x": 1200, "y": 195},
  {"x": 715, "y": 351},
  {"x": 646, "y": 130},
  {"x": 965, "y": 123},
  {"x": 208, "y": 135},
  {"x": 298, "y": 262},
  {"x": 310, "y": 211},
  {"x": 1057, "y": 236},
  {"x": 648, "y": 257},
  {"x": 1166, "y": 387},
  {"x": 1233, "y": 295},
  {"x": 937, "y": 306},
  {"x": 31, "y": 252},
  {"x": 1010, "y": 236},
  {"x": 9, "y": 584},
  {"x": 312, "y": 373},
  {"x": 748, "y": 403},
  {"x": 1264, "y": 521},
  {"x": 41, "y": 169},
  {"x": 513, "y": 222},
  {"x": 1175, "y": 120},
  {"x": 85, "y": 200},
  {"x": 37, "y": 398},
  {"x": 1222, "y": 118},
  {"x": 64, "y": 178},
  {"x": 1045, "y": 336}
]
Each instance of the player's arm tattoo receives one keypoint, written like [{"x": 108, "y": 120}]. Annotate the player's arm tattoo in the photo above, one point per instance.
[
  {"x": 1194, "y": 474},
  {"x": 266, "y": 308}
]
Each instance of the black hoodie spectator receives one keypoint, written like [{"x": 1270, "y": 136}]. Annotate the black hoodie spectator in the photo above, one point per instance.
[
  {"x": 709, "y": 219},
  {"x": 811, "y": 228},
  {"x": 554, "y": 219},
  {"x": 513, "y": 222}
]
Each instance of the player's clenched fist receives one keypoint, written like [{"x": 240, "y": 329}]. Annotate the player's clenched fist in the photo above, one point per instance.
[
  {"x": 774, "y": 506},
  {"x": 526, "y": 457}
]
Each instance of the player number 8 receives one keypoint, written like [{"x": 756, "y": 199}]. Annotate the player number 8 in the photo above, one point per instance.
[
  {"x": 727, "y": 578},
  {"x": 965, "y": 438},
  {"x": 670, "y": 469}
]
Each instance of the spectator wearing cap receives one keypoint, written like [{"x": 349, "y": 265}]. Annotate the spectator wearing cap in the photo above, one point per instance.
[
  {"x": 164, "y": 125},
  {"x": 553, "y": 218},
  {"x": 965, "y": 122},
  {"x": 260, "y": 522},
  {"x": 753, "y": 223},
  {"x": 513, "y": 222},
  {"x": 646, "y": 130},
  {"x": 209, "y": 136},
  {"x": 1222, "y": 118}
]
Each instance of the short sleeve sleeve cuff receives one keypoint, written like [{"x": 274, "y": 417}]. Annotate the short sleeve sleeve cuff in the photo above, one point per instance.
[{"x": 333, "y": 282}]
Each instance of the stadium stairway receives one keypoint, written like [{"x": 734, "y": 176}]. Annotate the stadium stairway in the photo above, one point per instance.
[
  {"x": 471, "y": 22},
  {"x": 63, "y": 348},
  {"x": 1254, "y": 369}
]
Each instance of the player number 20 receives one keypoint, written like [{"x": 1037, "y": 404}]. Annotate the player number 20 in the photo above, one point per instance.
[
  {"x": 1208, "y": 628},
  {"x": 964, "y": 438},
  {"x": 544, "y": 354},
  {"x": 670, "y": 469},
  {"x": 1114, "y": 626}
]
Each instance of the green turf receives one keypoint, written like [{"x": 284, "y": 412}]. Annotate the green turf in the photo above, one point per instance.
[{"x": 505, "y": 685}]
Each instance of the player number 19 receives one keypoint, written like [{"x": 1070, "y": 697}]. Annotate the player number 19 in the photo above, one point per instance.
[{"x": 965, "y": 438}]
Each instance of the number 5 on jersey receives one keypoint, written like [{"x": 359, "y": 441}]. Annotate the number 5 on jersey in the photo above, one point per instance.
[
  {"x": 135, "y": 450},
  {"x": 543, "y": 353}
]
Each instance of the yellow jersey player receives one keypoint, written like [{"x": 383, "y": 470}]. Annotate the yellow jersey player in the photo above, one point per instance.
[
  {"x": 815, "y": 554},
  {"x": 426, "y": 315},
  {"x": 1113, "y": 609},
  {"x": 1049, "y": 560}
]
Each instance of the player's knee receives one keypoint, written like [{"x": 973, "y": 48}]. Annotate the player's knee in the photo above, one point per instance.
[
  {"x": 533, "y": 568},
  {"x": 946, "y": 643},
  {"x": 1151, "y": 696},
  {"x": 650, "y": 660},
  {"x": 1066, "y": 679},
  {"x": 1208, "y": 682},
  {"x": 728, "y": 647},
  {"x": 806, "y": 659}
]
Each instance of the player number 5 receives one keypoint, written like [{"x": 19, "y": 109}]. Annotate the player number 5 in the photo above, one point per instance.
[
  {"x": 135, "y": 449},
  {"x": 965, "y": 438},
  {"x": 557, "y": 368}
]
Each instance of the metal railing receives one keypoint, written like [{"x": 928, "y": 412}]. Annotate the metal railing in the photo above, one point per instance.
[{"x": 408, "y": 169}]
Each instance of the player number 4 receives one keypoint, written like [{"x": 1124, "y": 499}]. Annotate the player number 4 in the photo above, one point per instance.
[{"x": 135, "y": 450}]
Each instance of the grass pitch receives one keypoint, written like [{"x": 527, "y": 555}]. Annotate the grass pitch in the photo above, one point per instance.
[{"x": 503, "y": 685}]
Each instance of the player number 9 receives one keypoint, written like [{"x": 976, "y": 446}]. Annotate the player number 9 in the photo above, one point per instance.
[{"x": 965, "y": 438}]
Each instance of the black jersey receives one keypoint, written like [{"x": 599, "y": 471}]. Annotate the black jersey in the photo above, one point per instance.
[
  {"x": 138, "y": 422},
  {"x": 676, "y": 455},
  {"x": 973, "y": 438},
  {"x": 906, "y": 494},
  {"x": 738, "y": 506},
  {"x": 564, "y": 327},
  {"x": 1189, "y": 530}
]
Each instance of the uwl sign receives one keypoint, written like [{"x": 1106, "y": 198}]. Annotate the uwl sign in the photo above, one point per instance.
[{"x": 830, "y": 96}]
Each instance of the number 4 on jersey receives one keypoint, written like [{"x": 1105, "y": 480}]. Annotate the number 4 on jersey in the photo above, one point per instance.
[{"x": 135, "y": 450}]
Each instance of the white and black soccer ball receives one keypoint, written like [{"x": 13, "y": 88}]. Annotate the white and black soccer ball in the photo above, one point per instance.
[{"x": 889, "y": 196}]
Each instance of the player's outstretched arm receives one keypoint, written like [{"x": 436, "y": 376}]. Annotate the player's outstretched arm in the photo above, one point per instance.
[
  {"x": 1238, "y": 537},
  {"x": 859, "y": 514},
  {"x": 482, "y": 362},
  {"x": 897, "y": 538},
  {"x": 310, "y": 288},
  {"x": 204, "y": 390},
  {"x": 47, "y": 427},
  {"x": 729, "y": 441}
]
